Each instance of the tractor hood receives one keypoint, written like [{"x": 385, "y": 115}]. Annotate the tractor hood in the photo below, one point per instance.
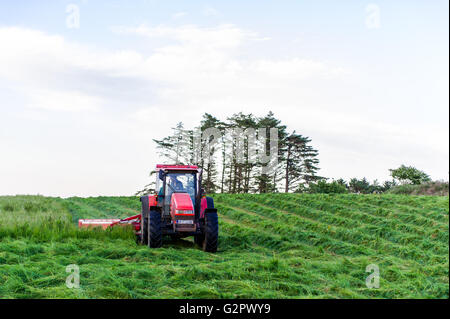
[
  {"x": 182, "y": 213},
  {"x": 181, "y": 202}
]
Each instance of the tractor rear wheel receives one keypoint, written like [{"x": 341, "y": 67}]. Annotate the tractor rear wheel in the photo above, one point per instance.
[
  {"x": 211, "y": 233},
  {"x": 144, "y": 220},
  {"x": 154, "y": 229}
]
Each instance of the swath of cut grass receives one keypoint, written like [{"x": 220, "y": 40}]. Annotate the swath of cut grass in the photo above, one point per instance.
[{"x": 271, "y": 246}]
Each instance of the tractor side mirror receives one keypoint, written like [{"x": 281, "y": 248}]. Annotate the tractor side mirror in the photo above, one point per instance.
[{"x": 161, "y": 174}]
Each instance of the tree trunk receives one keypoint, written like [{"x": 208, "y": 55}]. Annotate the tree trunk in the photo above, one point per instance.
[
  {"x": 286, "y": 187},
  {"x": 222, "y": 181}
]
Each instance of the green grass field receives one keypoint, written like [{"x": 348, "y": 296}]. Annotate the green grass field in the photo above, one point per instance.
[{"x": 271, "y": 246}]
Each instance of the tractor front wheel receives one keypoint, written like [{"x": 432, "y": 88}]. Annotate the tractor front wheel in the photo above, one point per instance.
[
  {"x": 199, "y": 239},
  {"x": 144, "y": 230},
  {"x": 154, "y": 229},
  {"x": 211, "y": 232}
]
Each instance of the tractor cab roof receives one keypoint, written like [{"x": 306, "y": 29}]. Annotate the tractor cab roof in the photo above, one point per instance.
[{"x": 193, "y": 168}]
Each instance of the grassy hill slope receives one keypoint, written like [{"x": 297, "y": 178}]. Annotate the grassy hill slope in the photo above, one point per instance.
[{"x": 271, "y": 246}]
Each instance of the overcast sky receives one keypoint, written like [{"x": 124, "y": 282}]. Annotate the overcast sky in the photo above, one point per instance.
[{"x": 86, "y": 85}]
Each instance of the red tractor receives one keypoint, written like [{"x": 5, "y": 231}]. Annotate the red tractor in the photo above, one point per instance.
[{"x": 179, "y": 208}]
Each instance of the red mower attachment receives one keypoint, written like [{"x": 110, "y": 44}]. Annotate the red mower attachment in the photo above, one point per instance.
[
  {"x": 110, "y": 222},
  {"x": 103, "y": 223}
]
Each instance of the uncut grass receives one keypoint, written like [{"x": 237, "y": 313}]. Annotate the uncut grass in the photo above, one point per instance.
[
  {"x": 258, "y": 257},
  {"x": 44, "y": 219},
  {"x": 97, "y": 208}
]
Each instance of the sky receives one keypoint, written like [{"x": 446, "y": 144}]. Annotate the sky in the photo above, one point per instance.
[{"x": 85, "y": 86}]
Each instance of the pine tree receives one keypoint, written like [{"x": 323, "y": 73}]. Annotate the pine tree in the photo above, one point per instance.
[
  {"x": 243, "y": 149},
  {"x": 269, "y": 182},
  {"x": 176, "y": 148},
  {"x": 300, "y": 161},
  {"x": 209, "y": 162}
]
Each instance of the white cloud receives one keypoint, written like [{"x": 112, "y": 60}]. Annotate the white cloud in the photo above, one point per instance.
[
  {"x": 220, "y": 37},
  {"x": 63, "y": 101},
  {"x": 209, "y": 57},
  {"x": 210, "y": 11},
  {"x": 136, "y": 96},
  {"x": 178, "y": 15}
]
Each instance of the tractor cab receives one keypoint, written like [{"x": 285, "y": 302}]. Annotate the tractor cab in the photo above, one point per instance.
[{"x": 179, "y": 179}]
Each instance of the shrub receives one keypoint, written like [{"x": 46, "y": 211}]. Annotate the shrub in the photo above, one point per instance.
[
  {"x": 430, "y": 188},
  {"x": 324, "y": 187},
  {"x": 8, "y": 207},
  {"x": 409, "y": 175}
]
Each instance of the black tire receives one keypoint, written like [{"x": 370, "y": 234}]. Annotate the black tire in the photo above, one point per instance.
[
  {"x": 209, "y": 202},
  {"x": 199, "y": 239},
  {"x": 211, "y": 233},
  {"x": 154, "y": 229},
  {"x": 144, "y": 220}
]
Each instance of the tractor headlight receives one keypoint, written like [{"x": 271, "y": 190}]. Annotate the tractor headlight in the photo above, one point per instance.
[
  {"x": 181, "y": 212},
  {"x": 185, "y": 222}
]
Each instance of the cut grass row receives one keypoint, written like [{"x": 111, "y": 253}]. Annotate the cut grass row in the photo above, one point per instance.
[
  {"x": 386, "y": 228},
  {"x": 271, "y": 246},
  {"x": 324, "y": 227}
]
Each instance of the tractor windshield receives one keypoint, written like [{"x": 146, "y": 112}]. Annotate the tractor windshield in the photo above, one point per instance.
[{"x": 180, "y": 182}]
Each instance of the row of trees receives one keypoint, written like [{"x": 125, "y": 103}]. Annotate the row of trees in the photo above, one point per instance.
[
  {"x": 355, "y": 185},
  {"x": 295, "y": 167},
  {"x": 403, "y": 175}
]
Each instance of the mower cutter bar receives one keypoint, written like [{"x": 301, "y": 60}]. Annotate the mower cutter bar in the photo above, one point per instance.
[
  {"x": 104, "y": 223},
  {"x": 110, "y": 222}
]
